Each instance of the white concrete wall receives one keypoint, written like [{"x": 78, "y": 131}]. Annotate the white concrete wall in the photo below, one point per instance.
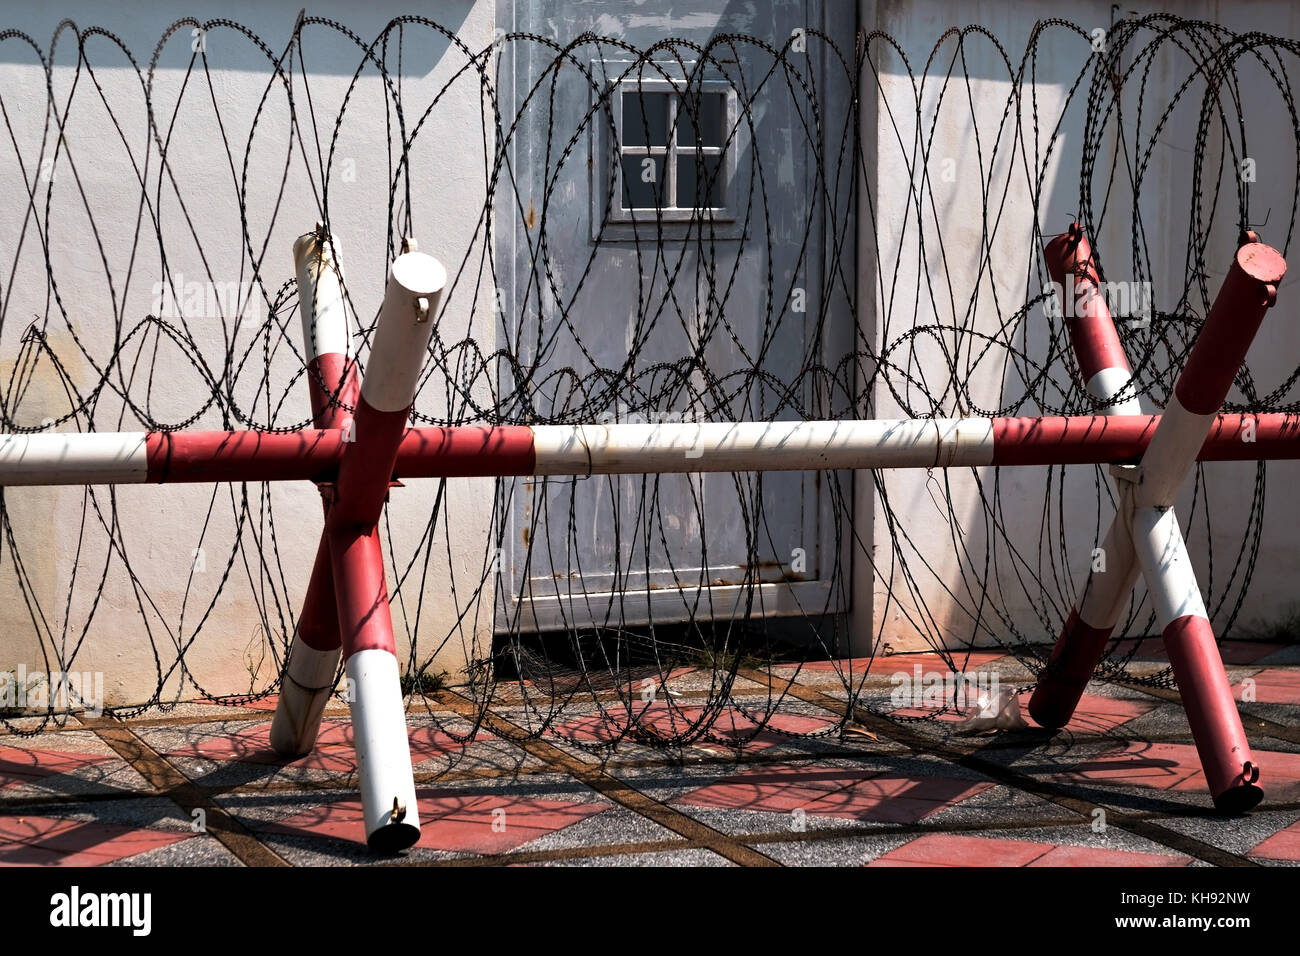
[
  {"x": 107, "y": 279},
  {"x": 950, "y": 587}
]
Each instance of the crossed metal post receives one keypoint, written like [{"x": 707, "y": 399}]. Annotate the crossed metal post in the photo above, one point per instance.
[
  {"x": 353, "y": 458},
  {"x": 346, "y": 611},
  {"x": 1144, "y": 536},
  {"x": 309, "y": 675}
]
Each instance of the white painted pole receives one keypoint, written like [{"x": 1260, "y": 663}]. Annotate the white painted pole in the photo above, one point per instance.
[
  {"x": 314, "y": 654},
  {"x": 411, "y": 299},
  {"x": 325, "y": 327},
  {"x": 746, "y": 446},
  {"x": 74, "y": 458},
  {"x": 71, "y": 458}
]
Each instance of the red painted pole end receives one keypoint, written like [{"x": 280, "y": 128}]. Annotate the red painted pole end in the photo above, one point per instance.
[
  {"x": 1248, "y": 291},
  {"x": 1068, "y": 670},
  {"x": 1230, "y": 770}
]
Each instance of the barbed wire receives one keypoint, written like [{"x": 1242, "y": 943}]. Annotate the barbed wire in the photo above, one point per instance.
[{"x": 828, "y": 297}]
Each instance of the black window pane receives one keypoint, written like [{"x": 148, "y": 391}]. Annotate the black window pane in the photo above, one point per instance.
[
  {"x": 699, "y": 181},
  {"x": 645, "y": 119},
  {"x": 643, "y": 181},
  {"x": 709, "y": 113}
]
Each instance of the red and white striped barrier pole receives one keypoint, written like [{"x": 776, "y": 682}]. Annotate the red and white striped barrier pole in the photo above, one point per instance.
[
  {"x": 1147, "y": 518},
  {"x": 1248, "y": 291},
  {"x": 383, "y": 447},
  {"x": 1105, "y": 371},
  {"x": 1230, "y": 771},
  {"x": 1096, "y": 344},
  {"x": 415, "y": 283},
  {"x": 503, "y": 451},
  {"x": 313, "y": 662}
]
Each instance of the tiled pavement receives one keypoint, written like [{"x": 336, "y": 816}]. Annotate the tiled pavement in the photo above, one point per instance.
[{"x": 1121, "y": 786}]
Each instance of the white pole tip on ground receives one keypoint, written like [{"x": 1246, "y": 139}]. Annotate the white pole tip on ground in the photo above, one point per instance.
[{"x": 379, "y": 734}]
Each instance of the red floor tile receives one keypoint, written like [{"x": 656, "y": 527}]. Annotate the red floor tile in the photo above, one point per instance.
[
  {"x": 1232, "y": 652},
  {"x": 950, "y": 716},
  {"x": 1274, "y": 686},
  {"x": 270, "y": 702},
  {"x": 1162, "y": 766},
  {"x": 777, "y": 789},
  {"x": 51, "y": 841},
  {"x": 1097, "y": 714},
  {"x": 947, "y": 849},
  {"x": 18, "y": 766},
  {"x": 896, "y": 799},
  {"x": 669, "y": 720},
  {"x": 1149, "y": 649},
  {"x": 1097, "y": 856},
  {"x": 929, "y": 661},
  {"x": 1178, "y": 767},
  {"x": 333, "y": 752},
  {"x": 834, "y": 792},
  {"x": 1094, "y": 714},
  {"x": 1283, "y": 845},
  {"x": 251, "y": 744},
  {"x": 886, "y": 863},
  {"x": 613, "y": 724},
  {"x": 1246, "y": 652},
  {"x": 451, "y": 822},
  {"x": 858, "y": 665},
  {"x": 1279, "y": 774},
  {"x": 737, "y": 729},
  {"x": 428, "y": 743}
]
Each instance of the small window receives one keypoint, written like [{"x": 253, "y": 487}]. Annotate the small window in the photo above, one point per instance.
[
  {"x": 645, "y": 119},
  {"x": 672, "y": 148}
]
